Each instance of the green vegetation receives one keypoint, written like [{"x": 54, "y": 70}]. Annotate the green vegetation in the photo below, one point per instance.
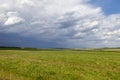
[{"x": 59, "y": 64}]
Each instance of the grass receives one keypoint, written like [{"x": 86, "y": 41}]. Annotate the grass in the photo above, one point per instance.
[{"x": 59, "y": 65}]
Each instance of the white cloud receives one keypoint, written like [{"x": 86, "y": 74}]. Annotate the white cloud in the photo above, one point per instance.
[
  {"x": 71, "y": 22},
  {"x": 12, "y": 18}
]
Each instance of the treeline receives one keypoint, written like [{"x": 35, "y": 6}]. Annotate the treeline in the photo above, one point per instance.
[
  {"x": 6, "y": 48},
  {"x": 59, "y": 49},
  {"x": 29, "y": 48}
]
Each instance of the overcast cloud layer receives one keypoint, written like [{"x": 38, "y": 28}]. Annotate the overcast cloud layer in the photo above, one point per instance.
[{"x": 72, "y": 23}]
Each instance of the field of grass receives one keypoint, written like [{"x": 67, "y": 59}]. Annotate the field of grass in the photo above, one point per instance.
[{"x": 59, "y": 65}]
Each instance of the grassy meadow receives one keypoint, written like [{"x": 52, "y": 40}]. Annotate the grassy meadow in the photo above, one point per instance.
[{"x": 59, "y": 65}]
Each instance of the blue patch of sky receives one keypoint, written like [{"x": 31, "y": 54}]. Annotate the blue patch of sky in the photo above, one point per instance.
[{"x": 108, "y": 6}]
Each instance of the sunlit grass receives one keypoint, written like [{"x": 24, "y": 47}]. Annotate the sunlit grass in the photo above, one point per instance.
[{"x": 59, "y": 65}]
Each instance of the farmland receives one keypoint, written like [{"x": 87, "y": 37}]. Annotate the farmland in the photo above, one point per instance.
[{"x": 60, "y": 64}]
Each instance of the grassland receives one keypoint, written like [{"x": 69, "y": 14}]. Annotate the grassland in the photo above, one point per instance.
[{"x": 59, "y": 65}]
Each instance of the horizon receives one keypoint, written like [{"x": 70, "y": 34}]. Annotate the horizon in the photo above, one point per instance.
[{"x": 17, "y": 47}]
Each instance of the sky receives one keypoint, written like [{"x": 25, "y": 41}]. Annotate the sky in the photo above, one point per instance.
[{"x": 60, "y": 23}]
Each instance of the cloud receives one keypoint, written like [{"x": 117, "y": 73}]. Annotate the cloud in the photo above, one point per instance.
[
  {"x": 73, "y": 23},
  {"x": 12, "y": 19}
]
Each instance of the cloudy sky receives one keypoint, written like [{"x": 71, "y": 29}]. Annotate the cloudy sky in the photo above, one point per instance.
[{"x": 60, "y": 23}]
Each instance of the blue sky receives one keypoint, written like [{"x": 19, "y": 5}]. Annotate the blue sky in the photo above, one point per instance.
[
  {"x": 108, "y": 6},
  {"x": 61, "y": 24}
]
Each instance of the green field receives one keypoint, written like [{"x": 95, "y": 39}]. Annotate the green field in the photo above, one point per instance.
[{"x": 59, "y": 65}]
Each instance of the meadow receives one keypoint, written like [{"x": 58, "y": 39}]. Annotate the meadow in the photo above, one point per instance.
[{"x": 59, "y": 65}]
